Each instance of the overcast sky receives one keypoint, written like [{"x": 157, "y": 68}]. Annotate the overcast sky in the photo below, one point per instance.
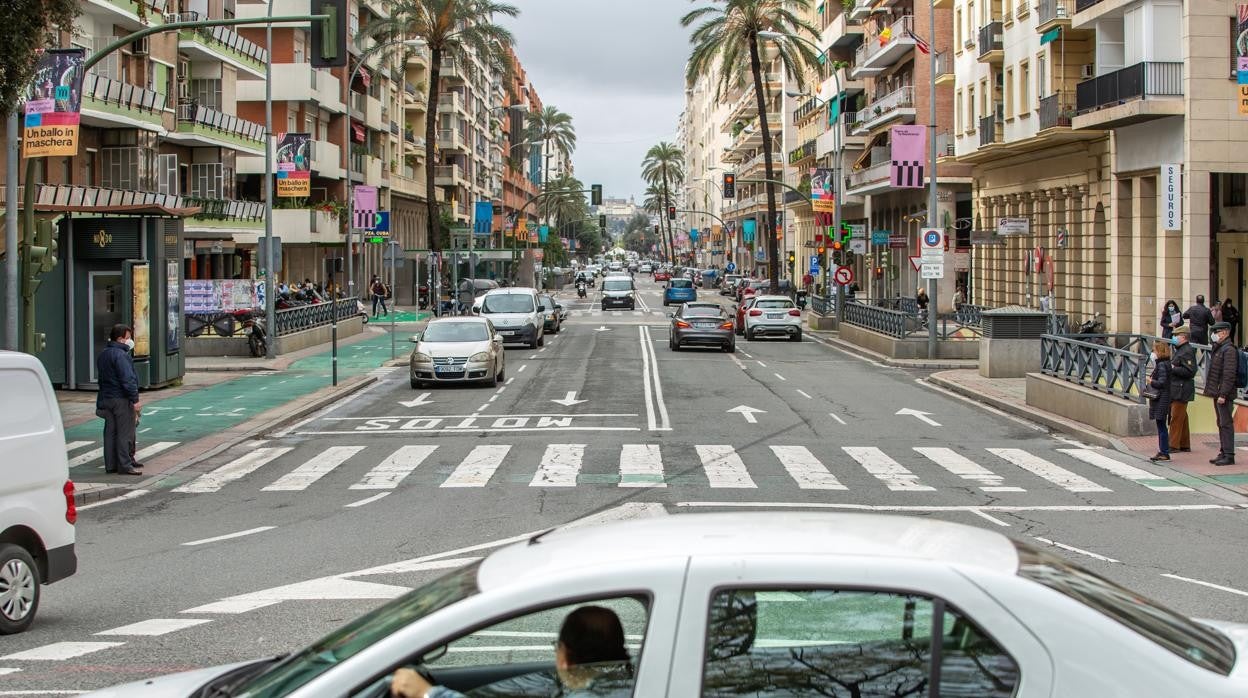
[{"x": 617, "y": 66}]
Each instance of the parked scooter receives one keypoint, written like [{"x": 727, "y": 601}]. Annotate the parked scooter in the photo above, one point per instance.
[
  {"x": 257, "y": 337},
  {"x": 422, "y": 297},
  {"x": 1095, "y": 328},
  {"x": 361, "y": 310}
]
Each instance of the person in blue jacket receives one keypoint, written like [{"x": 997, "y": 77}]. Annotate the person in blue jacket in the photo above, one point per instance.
[{"x": 118, "y": 401}]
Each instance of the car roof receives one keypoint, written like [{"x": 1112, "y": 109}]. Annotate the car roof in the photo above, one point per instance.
[
  {"x": 465, "y": 319},
  {"x": 772, "y": 298},
  {"x": 739, "y": 534},
  {"x": 518, "y": 290}
]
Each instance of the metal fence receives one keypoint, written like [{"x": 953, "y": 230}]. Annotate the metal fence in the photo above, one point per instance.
[
  {"x": 824, "y": 305},
  {"x": 894, "y": 323},
  {"x": 1114, "y": 363},
  {"x": 305, "y": 317}
]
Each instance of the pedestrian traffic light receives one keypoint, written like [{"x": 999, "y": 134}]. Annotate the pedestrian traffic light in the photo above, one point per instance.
[
  {"x": 671, "y": 213},
  {"x": 595, "y": 195},
  {"x": 730, "y": 185},
  {"x": 602, "y": 223},
  {"x": 329, "y": 39}
]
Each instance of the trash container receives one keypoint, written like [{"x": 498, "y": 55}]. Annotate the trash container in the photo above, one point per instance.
[{"x": 1010, "y": 347}]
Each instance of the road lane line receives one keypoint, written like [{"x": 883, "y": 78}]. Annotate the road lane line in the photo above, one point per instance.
[
  {"x": 318, "y": 467},
  {"x": 966, "y": 469},
  {"x": 647, "y": 346},
  {"x": 885, "y": 469},
  {"x": 366, "y": 500},
  {"x": 509, "y": 380},
  {"x": 387, "y": 474},
  {"x": 738, "y": 362},
  {"x": 560, "y": 465},
  {"x": 234, "y": 470},
  {"x": 984, "y": 507},
  {"x": 484, "y": 407},
  {"x": 804, "y": 394},
  {"x": 228, "y": 536},
  {"x": 777, "y": 375},
  {"x": 1122, "y": 470},
  {"x": 156, "y": 627},
  {"x": 155, "y": 448},
  {"x": 724, "y": 467},
  {"x": 76, "y": 444},
  {"x": 806, "y": 469},
  {"x": 986, "y": 517},
  {"x": 129, "y": 495},
  {"x": 522, "y": 367},
  {"x": 1211, "y": 585},
  {"x": 477, "y": 467},
  {"x": 651, "y": 422},
  {"x": 838, "y": 419},
  {"x": 493, "y": 398},
  {"x": 1053, "y": 473},
  {"x": 60, "y": 651},
  {"x": 760, "y": 363},
  {"x": 641, "y": 465},
  {"x": 86, "y": 457},
  {"x": 1073, "y": 549}
]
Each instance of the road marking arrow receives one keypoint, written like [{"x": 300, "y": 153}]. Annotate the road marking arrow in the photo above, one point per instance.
[
  {"x": 602, "y": 328},
  {"x": 569, "y": 400},
  {"x": 921, "y": 416},
  {"x": 420, "y": 400},
  {"x": 747, "y": 412}
]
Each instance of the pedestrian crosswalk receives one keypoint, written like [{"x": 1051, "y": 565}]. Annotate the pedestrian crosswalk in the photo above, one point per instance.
[
  {"x": 924, "y": 469},
  {"x": 91, "y": 453},
  {"x": 384, "y": 372}
]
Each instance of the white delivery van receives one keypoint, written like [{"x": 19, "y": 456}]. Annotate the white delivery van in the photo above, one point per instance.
[{"x": 37, "y": 512}]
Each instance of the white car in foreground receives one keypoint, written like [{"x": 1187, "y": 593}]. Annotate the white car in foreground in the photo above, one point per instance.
[
  {"x": 773, "y": 316},
  {"x": 766, "y": 603}
]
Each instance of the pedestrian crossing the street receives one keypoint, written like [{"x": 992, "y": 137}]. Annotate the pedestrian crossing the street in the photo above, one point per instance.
[
  {"x": 1000, "y": 471},
  {"x": 91, "y": 453}
]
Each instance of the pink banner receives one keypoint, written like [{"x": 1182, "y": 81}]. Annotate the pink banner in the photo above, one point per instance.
[{"x": 908, "y": 158}]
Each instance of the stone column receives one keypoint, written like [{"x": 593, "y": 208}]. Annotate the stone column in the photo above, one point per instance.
[
  {"x": 1146, "y": 308},
  {"x": 1121, "y": 250}
]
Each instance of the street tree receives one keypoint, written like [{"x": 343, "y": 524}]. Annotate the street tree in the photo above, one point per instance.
[
  {"x": 452, "y": 30},
  {"x": 30, "y": 25},
  {"x": 664, "y": 165},
  {"x": 726, "y": 42},
  {"x": 655, "y": 201},
  {"x": 554, "y": 130}
]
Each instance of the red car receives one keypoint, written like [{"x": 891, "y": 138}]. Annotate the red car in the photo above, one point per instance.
[
  {"x": 742, "y": 308},
  {"x": 663, "y": 275}
]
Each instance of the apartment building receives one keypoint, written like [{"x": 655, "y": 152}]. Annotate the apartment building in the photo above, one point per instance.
[
  {"x": 704, "y": 143},
  {"x": 522, "y": 162}
]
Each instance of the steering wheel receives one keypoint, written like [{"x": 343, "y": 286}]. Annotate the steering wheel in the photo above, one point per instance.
[{"x": 381, "y": 687}]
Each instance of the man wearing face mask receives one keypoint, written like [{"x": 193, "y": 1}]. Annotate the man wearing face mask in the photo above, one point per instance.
[
  {"x": 1182, "y": 389},
  {"x": 118, "y": 400},
  {"x": 1220, "y": 385}
]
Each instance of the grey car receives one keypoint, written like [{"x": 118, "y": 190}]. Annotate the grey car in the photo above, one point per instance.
[
  {"x": 457, "y": 350},
  {"x": 702, "y": 324}
]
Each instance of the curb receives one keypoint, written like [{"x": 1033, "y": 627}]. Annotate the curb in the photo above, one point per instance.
[
  {"x": 258, "y": 425},
  {"x": 868, "y": 355}
]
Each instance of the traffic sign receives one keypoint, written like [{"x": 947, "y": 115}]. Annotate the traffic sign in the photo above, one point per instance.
[
  {"x": 814, "y": 264},
  {"x": 916, "y": 262},
  {"x": 381, "y": 222},
  {"x": 932, "y": 239},
  {"x": 857, "y": 231},
  {"x": 879, "y": 237},
  {"x": 933, "y": 271},
  {"x": 858, "y": 246},
  {"x": 730, "y": 267},
  {"x": 844, "y": 276},
  {"x": 897, "y": 241}
]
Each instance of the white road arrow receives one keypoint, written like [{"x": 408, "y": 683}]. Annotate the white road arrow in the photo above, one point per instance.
[
  {"x": 420, "y": 400},
  {"x": 747, "y": 412},
  {"x": 921, "y": 416},
  {"x": 602, "y": 328},
  {"x": 569, "y": 400}
]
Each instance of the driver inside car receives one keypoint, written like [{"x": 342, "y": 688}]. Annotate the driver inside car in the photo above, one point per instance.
[{"x": 590, "y": 659}]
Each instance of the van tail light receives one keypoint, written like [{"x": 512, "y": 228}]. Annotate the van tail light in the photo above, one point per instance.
[
  {"x": 681, "y": 323},
  {"x": 755, "y": 313},
  {"x": 795, "y": 312},
  {"x": 726, "y": 326},
  {"x": 71, "y": 509}
]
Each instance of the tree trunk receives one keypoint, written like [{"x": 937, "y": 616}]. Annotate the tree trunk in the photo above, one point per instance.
[
  {"x": 773, "y": 264},
  {"x": 431, "y": 148},
  {"x": 671, "y": 250}
]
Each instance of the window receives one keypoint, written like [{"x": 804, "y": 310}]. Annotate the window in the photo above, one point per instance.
[
  {"x": 970, "y": 109},
  {"x": 88, "y": 166},
  {"x": 957, "y": 31},
  {"x": 1009, "y": 93},
  {"x": 167, "y": 174},
  {"x": 1233, "y": 189},
  {"x": 870, "y": 644},
  {"x": 958, "y": 121},
  {"x": 1024, "y": 89},
  {"x": 1042, "y": 76},
  {"x": 985, "y": 99},
  {"x": 292, "y": 121},
  {"x": 128, "y": 168},
  {"x": 971, "y": 26},
  {"x": 299, "y": 46}
]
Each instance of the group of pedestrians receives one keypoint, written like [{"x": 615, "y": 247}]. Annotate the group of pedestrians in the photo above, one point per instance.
[{"x": 1172, "y": 385}]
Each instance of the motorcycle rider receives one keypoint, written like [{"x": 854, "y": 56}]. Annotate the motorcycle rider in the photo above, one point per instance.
[{"x": 580, "y": 288}]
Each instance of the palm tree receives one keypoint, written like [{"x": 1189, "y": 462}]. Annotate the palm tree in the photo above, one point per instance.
[
  {"x": 565, "y": 201},
  {"x": 452, "y": 29},
  {"x": 656, "y": 198},
  {"x": 554, "y": 129},
  {"x": 728, "y": 41},
  {"x": 665, "y": 165}
]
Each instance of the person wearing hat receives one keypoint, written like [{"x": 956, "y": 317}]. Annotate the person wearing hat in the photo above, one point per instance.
[
  {"x": 1182, "y": 388},
  {"x": 1220, "y": 385}
]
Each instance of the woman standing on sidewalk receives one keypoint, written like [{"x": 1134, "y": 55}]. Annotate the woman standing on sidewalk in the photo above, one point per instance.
[{"x": 1159, "y": 406}]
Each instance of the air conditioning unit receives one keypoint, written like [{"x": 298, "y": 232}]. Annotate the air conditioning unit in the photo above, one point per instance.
[
  {"x": 140, "y": 47},
  {"x": 1087, "y": 71}
]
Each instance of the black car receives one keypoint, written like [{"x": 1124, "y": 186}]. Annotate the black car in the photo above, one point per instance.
[
  {"x": 702, "y": 324},
  {"x": 553, "y": 313}
]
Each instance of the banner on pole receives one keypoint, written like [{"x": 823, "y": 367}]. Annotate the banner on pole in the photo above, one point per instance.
[
  {"x": 54, "y": 104},
  {"x": 294, "y": 165},
  {"x": 821, "y": 190},
  {"x": 483, "y": 218},
  {"x": 747, "y": 229},
  {"x": 365, "y": 207},
  {"x": 907, "y": 156}
]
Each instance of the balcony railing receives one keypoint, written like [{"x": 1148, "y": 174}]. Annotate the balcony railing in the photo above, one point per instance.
[
  {"x": 945, "y": 145},
  {"x": 802, "y": 152},
  {"x": 204, "y": 116},
  {"x": 810, "y": 107},
  {"x": 1049, "y": 10},
  {"x": 990, "y": 36},
  {"x": 1081, "y": 5},
  {"x": 874, "y": 173},
  {"x": 121, "y": 94},
  {"x": 944, "y": 64},
  {"x": 900, "y": 98},
  {"x": 227, "y": 209},
  {"x": 990, "y": 130},
  {"x": 902, "y": 29},
  {"x": 222, "y": 35},
  {"x": 1056, "y": 110},
  {"x": 1138, "y": 81}
]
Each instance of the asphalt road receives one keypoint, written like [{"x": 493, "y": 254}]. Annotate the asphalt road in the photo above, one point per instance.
[{"x": 274, "y": 543}]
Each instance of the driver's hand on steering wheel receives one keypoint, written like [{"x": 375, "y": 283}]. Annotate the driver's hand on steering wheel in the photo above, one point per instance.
[{"x": 407, "y": 683}]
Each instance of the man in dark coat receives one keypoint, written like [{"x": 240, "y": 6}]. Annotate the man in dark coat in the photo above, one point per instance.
[
  {"x": 1220, "y": 385},
  {"x": 118, "y": 401},
  {"x": 1199, "y": 318},
  {"x": 1182, "y": 389}
]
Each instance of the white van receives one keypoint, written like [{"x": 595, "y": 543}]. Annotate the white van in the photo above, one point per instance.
[
  {"x": 37, "y": 512},
  {"x": 517, "y": 314}
]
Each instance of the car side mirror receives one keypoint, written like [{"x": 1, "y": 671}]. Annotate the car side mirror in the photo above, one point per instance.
[
  {"x": 558, "y": 306},
  {"x": 414, "y": 339}
]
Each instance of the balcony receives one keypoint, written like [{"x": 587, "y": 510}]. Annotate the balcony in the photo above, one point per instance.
[
  {"x": 991, "y": 130},
  {"x": 225, "y": 216},
  {"x": 297, "y": 82},
  {"x": 202, "y": 126},
  {"x": 413, "y": 99},
  {"x": 870, "y": 180},
  {"x": 946, "y": 146},
  {"x": 373, "y": 114},
  {"x": 860, "y": 10},
  {"x": 1056, "y": 111},
  {"x": 449, "y": 176},
  {"x": 452, "y": 103},
  {"x": 326, "y": 161},
  {"x": 810, "y": 108},
  {"x": 451, "y": 140},
  {"x": 845, "y": 31},
  {"x": 302, "y": 226},
  {"x": 1140, "y": 92},
  {"x": 220, "y": 44},
  {"x": 872, "y": 59},
  {"x": 944, "y": 68},
  {"x": 896, "y": 106},
  {"x": 124, "y": 13},
  {"x": 112, "y": 103},
  {"x": 802, "y": 153},
  {"x": 1051, "y": 14},
  {"x": 450, "y": 69},
  {"x": 991, "y": 48}
]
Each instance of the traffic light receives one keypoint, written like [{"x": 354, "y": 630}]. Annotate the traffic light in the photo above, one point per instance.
[
  {"x": 671, "y": 213},
  {"x": 329, "y": 39},
  {"x": 792, "y": 258},
  {"x": 879, "y": 272},
  {"x": 730, "y": 185},
  {"x": 822, "y": 251},
  {"x": 43, "y": 251},
  {"x": 602, "y": 223},
  {"x": 595, "y": 195}
]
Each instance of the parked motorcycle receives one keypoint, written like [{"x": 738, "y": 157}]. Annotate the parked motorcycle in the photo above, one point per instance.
[
  {"x": 1095, "y": 329},
  {"x": 257, "y": 337},
  {"x": 422, "y": 297},
  {"x": 361, "y": 310}
]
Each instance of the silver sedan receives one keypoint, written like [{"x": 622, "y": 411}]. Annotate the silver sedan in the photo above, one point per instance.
[{"x": 458, "y": 350}]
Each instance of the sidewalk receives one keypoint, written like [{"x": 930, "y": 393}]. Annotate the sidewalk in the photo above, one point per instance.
[
  {"x": 215, "y": 407},
  {"x": 1009, "y": 395}
]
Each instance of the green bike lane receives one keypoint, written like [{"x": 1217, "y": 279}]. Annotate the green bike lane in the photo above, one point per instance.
[{"x": 170, "y": 422}]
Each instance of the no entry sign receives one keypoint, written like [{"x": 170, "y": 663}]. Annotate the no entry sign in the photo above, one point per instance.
[{"x": 844, "y": 276}]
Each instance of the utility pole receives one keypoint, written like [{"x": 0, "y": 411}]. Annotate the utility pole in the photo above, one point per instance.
[
  {"x": 11, "y": 161},
  {"x": 931, "y": 175},
  {"x": 270, "y": 287}
]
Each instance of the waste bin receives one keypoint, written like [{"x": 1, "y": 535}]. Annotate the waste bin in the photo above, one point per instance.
[{"x": 1010, "y": 347}]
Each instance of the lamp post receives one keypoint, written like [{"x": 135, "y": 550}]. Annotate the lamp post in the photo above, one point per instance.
[{"x": 931, "y": 176}]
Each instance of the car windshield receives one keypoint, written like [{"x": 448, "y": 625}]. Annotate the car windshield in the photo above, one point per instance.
[
  {"x": 507, "y": 303},
  {"x": 617, "y": 285},
  {"x": 682, "y": 283},
  {"x": 702, "y": 311},
  {"x": 775, "y": 304},
  {"x": 455, "y": 332},
  {"x": 302, "y": 667},
  {"x": 547, "y": 303},
  {"x": 1198, "y": 644}
]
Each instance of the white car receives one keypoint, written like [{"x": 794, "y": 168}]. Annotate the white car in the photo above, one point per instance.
[
  {"x": 774, "y": 316},
  {"x": 645, "y": 268},
  {"x": 760, "y": 603},
  {"x": 457, "y": 350},
  {"x": 517, "y": 314},
  {"x": 37, "y": 510}
]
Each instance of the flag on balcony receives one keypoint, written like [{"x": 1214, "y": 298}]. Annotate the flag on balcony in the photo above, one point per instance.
[
  {"x": 358, "y": 130},
  {"x": 920, "y": 44},
  {"x": 886, "y": 35},
  {"x": 366, "y": 77}
]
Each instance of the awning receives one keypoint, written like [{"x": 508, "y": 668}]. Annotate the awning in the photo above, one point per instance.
[
  {"x": 1050, "y": 35},
  {"x": 358, "y": 130}
]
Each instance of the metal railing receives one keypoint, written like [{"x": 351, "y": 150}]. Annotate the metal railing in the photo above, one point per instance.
[
  {"x": 810, "y": 107},
  {"x": 1101, "y": 367},
  {"x": 944, "y": 64},
  {"x": 894, "y": 323},
  {"x": 1081, "y": 5},
  {"x": 971, "y": 315},
  {"x": 869, "y": 175},
  {"x": 205, "y": 116},
  {"x": 305, "y": 317},
  {"x": 1139, "y": 81},
  {"x": 900, "y": 98},
  {"x": 222, "y": 35},
  {"x": 824, "y": 305},
  {"x": 990, "y": 38},
  {"x": 988, "y": 131},
  {"x": 1056, "y": 110},
  {"x": 901, "y": 30},
  {"x": 1049, "y": 10},
  {"x": 122, "y": 94}
]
